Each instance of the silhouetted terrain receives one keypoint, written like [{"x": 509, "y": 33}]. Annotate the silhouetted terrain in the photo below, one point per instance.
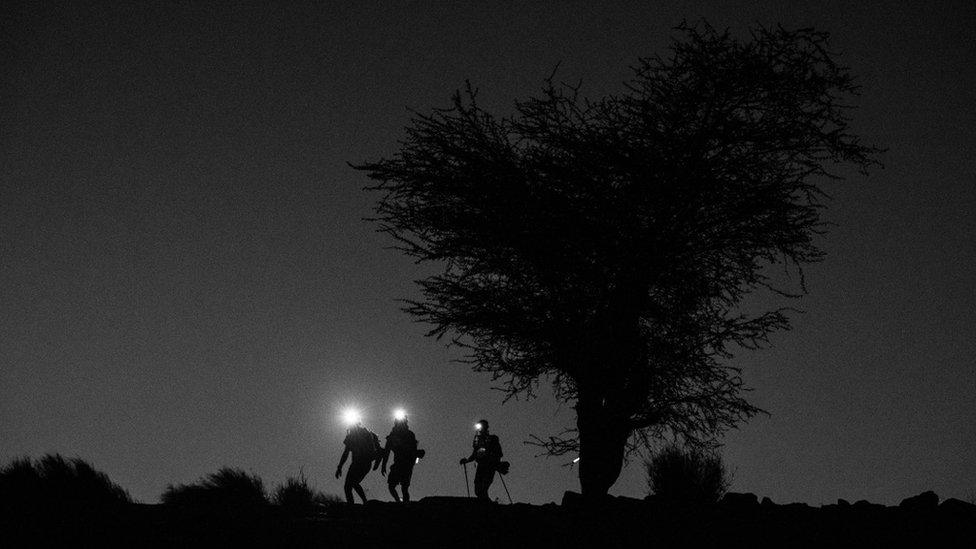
[
  {"x": 739, "y": 520},
  {"x": 54, "y": 501}
]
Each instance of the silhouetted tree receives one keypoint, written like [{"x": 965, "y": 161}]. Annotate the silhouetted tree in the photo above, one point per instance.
[{"x": 606, "y": 245}]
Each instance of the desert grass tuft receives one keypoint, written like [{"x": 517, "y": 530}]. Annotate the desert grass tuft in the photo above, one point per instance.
[
  {"x": 54, "y": 480},
  {"x": 688, "y": 475},
  {"x": 227, "y": 487},
  {"x": 296, "y": 496}
]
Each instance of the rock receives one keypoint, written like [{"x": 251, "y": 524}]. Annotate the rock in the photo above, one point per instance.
[
  {"x": 449, "y": 501},
  {"x": 766, "y": 502},
  {"x": 843, "y": 503},
  {"x": 736, "y": 499},
  {"x": 450, "y": 505},
  {"x": 958, "y": 507},
  {"x": 576, "y": 499},
  {"x": 627, "y": 505},
  {"x": 864, "y": 505},
  {"x": 925, "y": 500},
  {"x": 622, "y": 504},
  {"x": 625, "y": 500},
  {"x": 797, "y": 511},
  {"x": 572, "y": 499}
]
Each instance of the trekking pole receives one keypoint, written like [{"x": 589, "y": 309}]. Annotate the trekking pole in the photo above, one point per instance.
[
  {"x": 506, "y": 488},
  {"x": 466, "y": 485}
]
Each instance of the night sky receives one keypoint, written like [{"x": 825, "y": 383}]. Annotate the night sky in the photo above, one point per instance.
[{"x": 186, "y": 281}]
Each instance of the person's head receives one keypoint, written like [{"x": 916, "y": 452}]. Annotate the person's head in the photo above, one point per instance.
[
  {"x": 482, "y": 426},
  {"x": 352, "y": 418},
  {"x": 399, "y": 419}
]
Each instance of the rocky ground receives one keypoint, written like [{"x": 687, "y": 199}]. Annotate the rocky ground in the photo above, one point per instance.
[{"x": 739, "y": 520}]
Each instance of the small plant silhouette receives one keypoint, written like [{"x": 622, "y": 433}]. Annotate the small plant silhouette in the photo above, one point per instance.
[
  {"x": 296, "y": 496},
  {"x": 226, "y": 488},
  {"x": 54, "y": 480},
  {"x": 686, "y": 474}
]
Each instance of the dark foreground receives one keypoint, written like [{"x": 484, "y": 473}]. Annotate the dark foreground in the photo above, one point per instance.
[{"x": 458, "y": 522}]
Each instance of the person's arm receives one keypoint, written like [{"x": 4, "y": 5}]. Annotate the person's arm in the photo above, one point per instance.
[
  {"x": 386, "y": 456},
  {"x": 379, "y": 448},
  {"x": 474, "y": 453},
  {"x": 342, "y": 461}
]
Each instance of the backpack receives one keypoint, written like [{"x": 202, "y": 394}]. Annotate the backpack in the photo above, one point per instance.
[
  {"x": 376, "y": 451},
  {"x": 365, "y": 443},
  {"x": 403, "y": 444},
  {"x": 490, "y": 444}
]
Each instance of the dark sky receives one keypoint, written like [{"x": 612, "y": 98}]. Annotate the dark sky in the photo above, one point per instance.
[{"x": 186, "y": 281}]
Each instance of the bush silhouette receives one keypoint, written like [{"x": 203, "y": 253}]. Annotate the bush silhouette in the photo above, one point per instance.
[
  {"x": 687, "y": 475},
  {"x": 296, "y": 496},
  {"x": 226, "y": 488},
  {"x": 54, "y": 480}
]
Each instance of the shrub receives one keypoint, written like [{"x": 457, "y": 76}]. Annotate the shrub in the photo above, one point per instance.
[
  {"x": 53, "y": 479},
  {"x": 296, "y": 496},
  {"x": 225, "y": 488},
  {"x": 688, "y": 475}
]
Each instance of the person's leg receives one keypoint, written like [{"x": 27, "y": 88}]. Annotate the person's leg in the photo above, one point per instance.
[
  {"x": 348, "y": 489},
  {"x": 357, "y": 472},
  {"x": 392, "y": 480},
  {"x": 482, "y": 480},
  {"x": 405, "y": 481},
  {"x": 359, "y": 490},
  {"x": 479, "y": 483}
]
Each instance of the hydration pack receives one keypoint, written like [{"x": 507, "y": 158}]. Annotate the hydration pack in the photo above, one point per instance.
[{"x": 365, "y": 444}]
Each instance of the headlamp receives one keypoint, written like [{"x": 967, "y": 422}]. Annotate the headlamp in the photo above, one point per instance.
[{"x": 351, "y": 416}]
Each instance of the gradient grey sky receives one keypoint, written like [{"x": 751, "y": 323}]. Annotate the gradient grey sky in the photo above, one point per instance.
[{"x": 186, "y": 282}]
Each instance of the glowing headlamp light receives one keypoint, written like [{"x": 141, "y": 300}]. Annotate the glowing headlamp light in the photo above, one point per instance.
[
  {"x": 478, "y": 426},
  {"x": 400, "y": 414},
  {"x": 351, "y": 416}
]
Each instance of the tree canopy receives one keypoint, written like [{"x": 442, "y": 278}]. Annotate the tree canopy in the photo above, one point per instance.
[{"x": 606, "y": 245}]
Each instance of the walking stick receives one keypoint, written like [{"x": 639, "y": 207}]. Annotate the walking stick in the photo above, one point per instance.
[
  {"x": 466, "y": 485},
  {"x": 506, "y": 488}
]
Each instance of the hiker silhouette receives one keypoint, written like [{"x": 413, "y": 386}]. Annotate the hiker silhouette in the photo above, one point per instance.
[
  {"x": 364, "y": 446},
  {"x": 402, "y": 443},
  {"x": 486, "y": 451}
]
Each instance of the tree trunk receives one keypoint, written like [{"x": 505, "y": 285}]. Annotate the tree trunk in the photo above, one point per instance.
[
  {"x": 601, "y": 417},
  {"x": 602, "y": 439}
]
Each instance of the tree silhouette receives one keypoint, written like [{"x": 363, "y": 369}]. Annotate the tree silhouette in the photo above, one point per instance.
[{"x": 606, "y": 245}]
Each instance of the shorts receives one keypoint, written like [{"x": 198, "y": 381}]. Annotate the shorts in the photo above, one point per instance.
[{"x": 400, "y": 473}]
